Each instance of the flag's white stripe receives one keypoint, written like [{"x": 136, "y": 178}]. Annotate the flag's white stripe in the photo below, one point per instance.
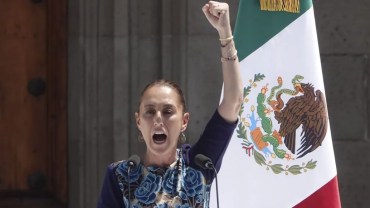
[{"x": 242, "y": 182}]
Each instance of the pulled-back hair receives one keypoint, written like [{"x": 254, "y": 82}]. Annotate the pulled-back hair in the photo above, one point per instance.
[{"x": 168, "y": 83}]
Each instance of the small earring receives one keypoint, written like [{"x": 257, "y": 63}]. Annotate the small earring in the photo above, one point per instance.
[
  {"x": 182, "y": 138},
  {"x": 140, "y": 137}
]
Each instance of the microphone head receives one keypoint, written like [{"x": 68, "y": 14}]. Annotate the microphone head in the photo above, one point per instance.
[
  {"x": 203, "y": 161},
  {"x": 133, "y": 161}
]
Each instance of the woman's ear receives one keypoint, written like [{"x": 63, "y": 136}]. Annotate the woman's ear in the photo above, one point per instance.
[
  {"x": 137, "y": 118},
  {"x": 185, "y": 121}
]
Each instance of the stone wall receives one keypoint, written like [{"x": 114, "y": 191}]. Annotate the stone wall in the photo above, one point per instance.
[{"x": 344, "y": 39}]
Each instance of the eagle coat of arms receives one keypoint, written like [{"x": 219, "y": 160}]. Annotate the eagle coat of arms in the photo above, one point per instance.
[{"x": 300, "y": 126}]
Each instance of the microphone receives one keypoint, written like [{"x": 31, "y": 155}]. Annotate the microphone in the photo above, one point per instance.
[
  {"x": 206, "y": 163},
  {"x": 203, "y": 162},
  {"x": 132, "y": 162}
]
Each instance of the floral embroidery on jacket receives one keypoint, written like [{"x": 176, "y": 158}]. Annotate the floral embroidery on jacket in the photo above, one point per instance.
[{"x": 178, "y": 186}]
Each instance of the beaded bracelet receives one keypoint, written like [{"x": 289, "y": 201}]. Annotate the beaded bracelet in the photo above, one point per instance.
[{"x": 231, "y": 58}]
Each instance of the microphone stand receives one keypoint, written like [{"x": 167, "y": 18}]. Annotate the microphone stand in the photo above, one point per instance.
[
  {"x": 214, "y": 169},
  {"x": 129, "y": 191},
  {"x": 206, "y": 163},
  {"x": 132, "y": 163}
]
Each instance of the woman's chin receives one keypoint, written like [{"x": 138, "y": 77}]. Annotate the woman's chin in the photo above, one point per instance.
[{"x": 161, "y": 147}]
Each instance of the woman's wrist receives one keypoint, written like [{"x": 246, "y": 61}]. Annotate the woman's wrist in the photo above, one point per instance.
[
  {"x": 226, "y": 41},
  {"x": 228, "y": 51},
  {"x": 225, "y": 34}
]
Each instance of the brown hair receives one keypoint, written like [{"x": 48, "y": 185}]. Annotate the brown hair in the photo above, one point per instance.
[{"x": 168, "y": 83}]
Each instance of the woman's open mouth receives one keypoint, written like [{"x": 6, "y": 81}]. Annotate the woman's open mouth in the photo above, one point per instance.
[{"x": 159, "y": 138}]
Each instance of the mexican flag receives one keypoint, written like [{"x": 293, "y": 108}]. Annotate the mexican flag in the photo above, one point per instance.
[{"x": 281, "y": 153}]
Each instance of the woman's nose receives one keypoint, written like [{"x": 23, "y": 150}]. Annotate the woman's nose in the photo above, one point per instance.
[{"x": 158, "y": 117}]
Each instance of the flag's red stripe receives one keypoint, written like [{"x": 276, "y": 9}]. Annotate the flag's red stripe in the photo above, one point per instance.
[{"x": 327, "y": 196}]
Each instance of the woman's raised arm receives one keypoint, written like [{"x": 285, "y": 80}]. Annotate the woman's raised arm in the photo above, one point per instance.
[{"x": 217, "y": 14}]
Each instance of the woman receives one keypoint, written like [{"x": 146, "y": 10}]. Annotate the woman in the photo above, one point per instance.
[{"x": 167, "y": 176}]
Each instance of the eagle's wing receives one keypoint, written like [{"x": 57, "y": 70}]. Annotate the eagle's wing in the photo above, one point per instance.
[
  {"x": 314, "y": 126},
  {"x": 291, "y": 118}
]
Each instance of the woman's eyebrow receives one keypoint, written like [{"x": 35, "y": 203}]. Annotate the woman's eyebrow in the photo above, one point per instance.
[
  {"x": 148, "y": 105},
  {"x": 164, "y": 106},
  {"x": 169, "y": 106}
]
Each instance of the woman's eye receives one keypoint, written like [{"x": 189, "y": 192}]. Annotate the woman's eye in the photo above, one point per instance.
[
  {"x": 168, "y": 111},
  {"x": 150, "y": 112}
]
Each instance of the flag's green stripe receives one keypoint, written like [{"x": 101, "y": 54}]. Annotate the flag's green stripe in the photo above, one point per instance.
[{"x": 254, "y": 27}]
